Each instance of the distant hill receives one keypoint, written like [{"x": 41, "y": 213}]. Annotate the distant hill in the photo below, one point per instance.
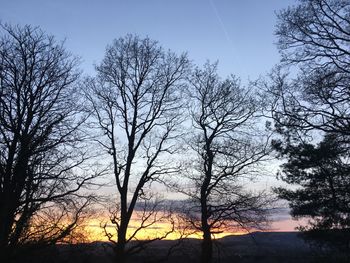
[
  {"x": 267, "y": 240},
  {"x": 263, "y": 247}
]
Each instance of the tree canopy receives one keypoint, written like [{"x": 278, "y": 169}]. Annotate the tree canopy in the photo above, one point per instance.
[{"x": 312, "y": 112}]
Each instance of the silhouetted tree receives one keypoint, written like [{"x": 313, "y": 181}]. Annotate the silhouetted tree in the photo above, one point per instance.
[
  {"x": 315, "y": 36},
  {"x": 323, "y": 172},
  {"x": 136, "y": 100},
  {"x": 312, "y": 111},
  {"x": 229, "y": 148},
  {"x": 41, "y": 169}
]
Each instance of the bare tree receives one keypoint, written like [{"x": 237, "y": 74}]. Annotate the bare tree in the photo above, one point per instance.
[
  {"x": 41, "y": 161},
  {"x": 136, "y": 99},
  {"x": 315, "y": 37},
  {"x": 229, "y": 148}
]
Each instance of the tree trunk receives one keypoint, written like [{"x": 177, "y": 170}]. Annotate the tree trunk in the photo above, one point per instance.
[
  {"x": 5, "y": 252},
  {"x": 120, "y": 253},
  {"x": 6, "y": 221},
  {"x": 119, "y": 250},
  {"x": 207, "y": 247}
]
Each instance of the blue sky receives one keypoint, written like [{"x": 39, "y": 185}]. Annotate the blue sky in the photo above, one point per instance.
[{"x": 237, "y": 33}]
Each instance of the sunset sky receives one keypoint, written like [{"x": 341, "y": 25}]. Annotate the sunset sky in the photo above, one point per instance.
[
  {"x": 239, "y": 34},
  {"x": 94, "y": 231}
]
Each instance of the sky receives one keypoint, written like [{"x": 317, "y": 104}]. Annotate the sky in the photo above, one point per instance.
[{"x": 239, "y": 34}]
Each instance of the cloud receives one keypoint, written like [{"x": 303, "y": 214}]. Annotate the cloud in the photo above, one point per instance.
[{"x": 280, "y": 214}]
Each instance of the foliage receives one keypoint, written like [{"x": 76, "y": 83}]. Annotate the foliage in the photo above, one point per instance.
[
  {"x": 322, "y": 173},
  {"x": 312, "y": 112}
]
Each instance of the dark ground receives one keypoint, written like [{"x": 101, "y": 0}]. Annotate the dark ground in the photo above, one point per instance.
[{"x": 263, "y": 247}]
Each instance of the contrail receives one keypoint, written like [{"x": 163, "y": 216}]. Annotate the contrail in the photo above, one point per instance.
[{"x": 222, "y": 24}]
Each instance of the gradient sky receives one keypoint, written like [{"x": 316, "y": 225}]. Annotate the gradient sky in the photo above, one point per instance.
[{"x": 237, "y": 33}]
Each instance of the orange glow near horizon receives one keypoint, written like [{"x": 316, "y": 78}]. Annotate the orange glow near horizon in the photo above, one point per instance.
[{"x": 94, "y": 231}]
